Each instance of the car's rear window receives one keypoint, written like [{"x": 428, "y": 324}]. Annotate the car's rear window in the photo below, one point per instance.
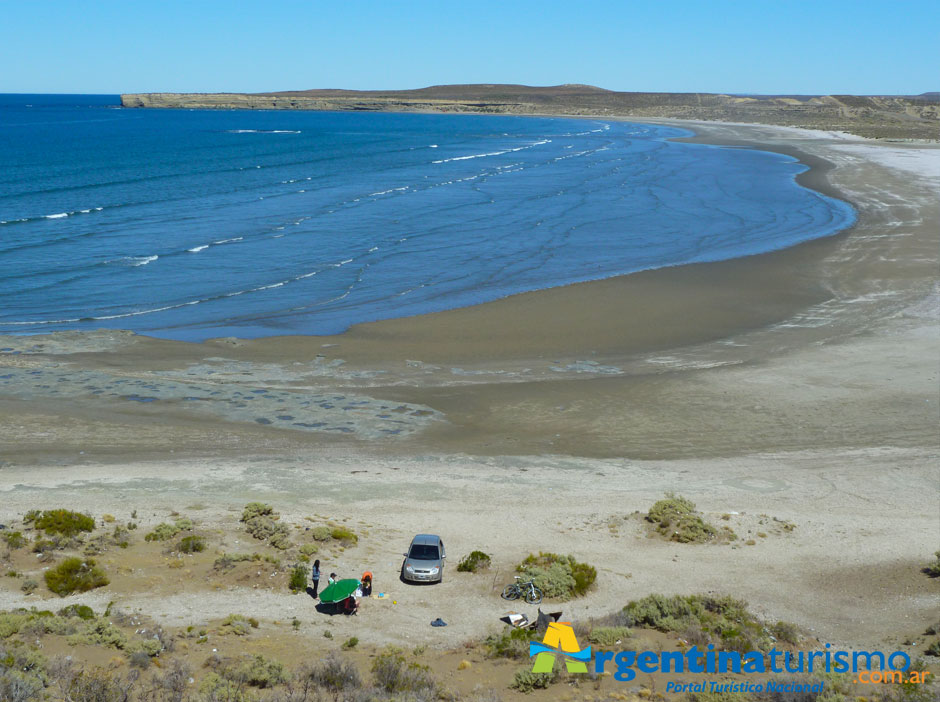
[{"x": 425, "y": 552}]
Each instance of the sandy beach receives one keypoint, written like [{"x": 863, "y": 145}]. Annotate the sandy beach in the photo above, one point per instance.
[{"x": 799, "y": 386}]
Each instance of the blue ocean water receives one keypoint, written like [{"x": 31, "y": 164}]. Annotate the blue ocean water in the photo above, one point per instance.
[{"x": 195, "y": 224}]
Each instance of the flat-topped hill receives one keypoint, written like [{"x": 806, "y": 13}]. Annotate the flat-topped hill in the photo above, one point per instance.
[{"x": 894, "y": 117}]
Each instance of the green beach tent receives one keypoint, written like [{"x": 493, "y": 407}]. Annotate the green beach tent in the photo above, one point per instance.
[{"x": 339, "y": 591}]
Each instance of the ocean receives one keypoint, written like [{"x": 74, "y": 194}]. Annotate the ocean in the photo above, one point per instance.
[{"x": 193, "y": 224}]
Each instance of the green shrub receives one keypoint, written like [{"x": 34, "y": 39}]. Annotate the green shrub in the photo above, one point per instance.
[
  {"x": 280, "y": 539},
  {"x": 722, "y": 621},
  {"x": 191, "y": 544},
  {"x": 256, "y": 509},
  {"x": 31, "y": 516},
  {"x": 933, "y": 569},
  {"x": 476, "y": 560},
  {"x": 309, "y": 549},
  {"x": 64, "y": 522},
  {"x": 83, "y": 612},
  {"x": 29, "y": 586},
  {"x": 511, "y": 643},
  {"x": 526, "y": 680},
  {"x": 98, "y": 632},
  {"x": 149, "y": 647},
  {"x": 933, "y": 649},
  {"x": 350, "y": 643},
  {"x": 162, "y": 532},
  {"x": 261, "y": 522},
  {"x": 321, "y": 533},
  {"x": 96, "y": 684},
  {"x": 75, "y": 575},
  {"x": 46, "y": 545},
  {"x": 239, "y": 625},
  {"x": 258, "y": 671},
  {"x": 14, "y": 540},
  {"x": 677, "y": 520},
  {"x": 11, "y": 623},
  {"x": 346, "y": 536},
  {"x": 298, "y": 579},
  {"x": 216, "y": 688},
  {"x": 786, "y": 632},
  {"x": 607, "y": 636},
  {"x": 562, "y": 577},
  {"x": 393, "y": 673}
]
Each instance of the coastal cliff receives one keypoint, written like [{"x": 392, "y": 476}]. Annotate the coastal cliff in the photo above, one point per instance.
[{"x": 893, "y": 117}]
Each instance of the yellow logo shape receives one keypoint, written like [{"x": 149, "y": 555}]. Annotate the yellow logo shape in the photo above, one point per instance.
[{"x": 559, "y": 638}]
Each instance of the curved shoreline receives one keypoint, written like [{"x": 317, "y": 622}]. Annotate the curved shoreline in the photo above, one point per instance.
[
  {"x": 812, "y": 179},
  {"x": 625, "y": 315},
  {"x": 774, "y": 284},
  {"x": 616, "y": 349}
]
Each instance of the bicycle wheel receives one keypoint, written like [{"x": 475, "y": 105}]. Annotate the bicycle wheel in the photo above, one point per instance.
[
  {"x": 533, "y": 595},
  {"x": 511, "y": 592}
]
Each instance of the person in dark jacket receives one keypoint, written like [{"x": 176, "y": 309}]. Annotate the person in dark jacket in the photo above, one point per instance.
[{"x": 315, "y": 576}]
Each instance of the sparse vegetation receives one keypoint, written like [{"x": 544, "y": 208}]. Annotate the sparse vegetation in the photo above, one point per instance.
[
  {"x": 335, "y": 676},
  {"x": 97, "y": 632},
  {"x": 298, "y": 579},
  {"x": 607, "y": 636},
  {"x": 350, "y": 643},
  {"x": 394, "y": 674},
  {"x": 228, "y": 560},
  {"x": 933, "y": 569},
  {"x": 786, "y": 632},
  {"x": 321, "y": 533},
  {"x": 163, "y": 532},
  {"x": 474, "y": 561},
  {"x": 511, "y": 643},
  {"x": 257, "y": 671},
  {"x": 64, "y": 522},
  {"x": 191, "y": 544},
  {"x": 344, "y": 535},
  {"x": 14, "y": 540},
  {"x": 76, "y": 610},
  {"x": 238, "y": 625},
  {"x": 261, "y": 522},
  {"x": 676, "y": 519},
  {"x": 29, "y": 586},
  {"x": 702, "y": 619},
  {"x": 526, "y": 680},
  {"x": 933, "y": 649},
  {"x": 75, "y": 575},
  {"x": 562, "y": 577},
  {"x": 309, "y": 549}
]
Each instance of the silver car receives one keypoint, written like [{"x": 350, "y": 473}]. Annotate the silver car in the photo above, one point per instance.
[{"x": 424, "y": 562}]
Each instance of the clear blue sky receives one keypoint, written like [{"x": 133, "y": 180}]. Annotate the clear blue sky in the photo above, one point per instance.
[{"x": 747, "y": 46}]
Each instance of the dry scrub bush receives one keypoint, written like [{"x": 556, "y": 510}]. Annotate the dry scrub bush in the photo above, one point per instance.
[
  {"x": 394, "y": 674},
  {"x": 676, "y": 519},
  {"x": 75, "y": 575},
  {"x": 474, "y": 561},
  {"x": 558, "y": 576},
  {"x": 64, "y": 522}
]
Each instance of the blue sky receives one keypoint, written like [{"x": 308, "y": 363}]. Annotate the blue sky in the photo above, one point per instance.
[{"x": 749, "y": 46}]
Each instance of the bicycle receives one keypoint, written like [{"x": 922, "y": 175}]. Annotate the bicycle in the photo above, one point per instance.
[{"x": 527, "y": 591}]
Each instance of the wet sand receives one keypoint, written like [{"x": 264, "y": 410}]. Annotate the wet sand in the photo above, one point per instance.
[{"x": 591, "y": 369}]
